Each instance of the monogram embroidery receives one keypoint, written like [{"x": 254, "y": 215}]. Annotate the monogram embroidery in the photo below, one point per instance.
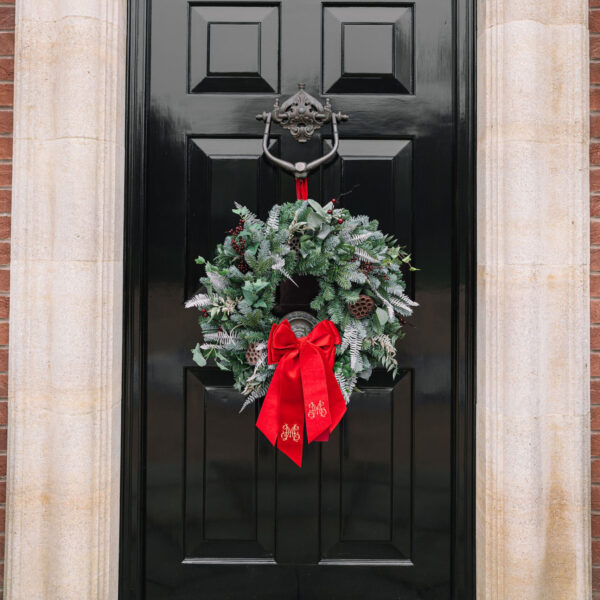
[
  {"x": 292, "y": 433},
  {"x": 316, "y": 409}
]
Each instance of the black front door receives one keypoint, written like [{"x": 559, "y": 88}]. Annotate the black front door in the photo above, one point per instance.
[{"x": 375, "y": 513}]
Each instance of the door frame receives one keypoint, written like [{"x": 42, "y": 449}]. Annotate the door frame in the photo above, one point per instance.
[{"x": 131, "y": 539}]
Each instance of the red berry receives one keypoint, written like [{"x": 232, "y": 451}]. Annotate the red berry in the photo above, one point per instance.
[
  {"x": 340, "y": 220},
  {"x": 329, "y": 212},
  {"x": 333, "y": 201}
]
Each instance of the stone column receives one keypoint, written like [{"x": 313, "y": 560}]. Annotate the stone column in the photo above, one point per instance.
[
  {"x": 66, "y": 297},
  {"x": 533, "y": 486}
]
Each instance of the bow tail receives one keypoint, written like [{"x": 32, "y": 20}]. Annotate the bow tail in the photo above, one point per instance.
[
  {"x": 283, "y": 420},
  {"x": 316, "y": 397}
]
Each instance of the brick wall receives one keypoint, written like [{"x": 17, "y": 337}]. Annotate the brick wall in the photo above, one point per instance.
[{"x": 7, "y": 45}]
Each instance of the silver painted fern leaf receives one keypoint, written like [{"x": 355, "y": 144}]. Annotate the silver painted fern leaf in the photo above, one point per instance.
[
  {"x": 279, "y": 265},
  {"x": 199, "y": 301},
  {"x": 218, "y": 281}
]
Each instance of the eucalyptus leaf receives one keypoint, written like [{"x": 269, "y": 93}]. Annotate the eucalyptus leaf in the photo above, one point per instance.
[
  {"x": 324, "y": 232},
  {"x": 318, "y": 209},
  {"x": 198, "y": 357},
  {"x": 382, "y": 316},
  {"x": 314, "y": 220}
]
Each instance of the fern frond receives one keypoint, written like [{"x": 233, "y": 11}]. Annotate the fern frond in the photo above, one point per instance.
[
  {"x": 218, "y": 282},
  {"x": 279, "y": 265},
  {"x": 247, "y": 214},
  {"x": 273, "y": 220},
  {"x": 357, "y": 239},
  {"x": 199, "y": 301},
  {"x": 365, "y": 256},
  {"x": 259, "y": 392}
]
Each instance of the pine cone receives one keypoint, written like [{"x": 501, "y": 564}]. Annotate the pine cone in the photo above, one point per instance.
[
  {"x": 252, "y": 354},
  {"x": 294, "y": 243},
  {"x": 362, "y": 308}
]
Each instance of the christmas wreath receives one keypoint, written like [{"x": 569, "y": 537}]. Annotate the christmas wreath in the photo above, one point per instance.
[{"x": 361, "y": 289}]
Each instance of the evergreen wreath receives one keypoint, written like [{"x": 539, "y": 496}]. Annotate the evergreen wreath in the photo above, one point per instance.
[{"x": 361, "y": 289}]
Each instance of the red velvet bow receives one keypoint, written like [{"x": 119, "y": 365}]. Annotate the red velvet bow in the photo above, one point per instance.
[{"x": 303, "y": 385}]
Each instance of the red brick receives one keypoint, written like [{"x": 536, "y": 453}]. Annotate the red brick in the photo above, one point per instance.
[
  {"x": 594, "y": 72},
  {"x": 595, "y": 417},
  {"x": 3, "y": 359},
  {"x": 4, "y": 254},
  {"x": 594, "y": 285},
  {"x": 5, "y": 228},
  {"x": 5, "y": 174},
  {"x": 3, "y": 385},
  {"x": 6, "y": 147},
  {"x": 6, "y": 94},
  {"x": 594, "y": 311},
  {"x": 4, "y": 307},
  {"x": 595, "y": 259},
  {"x": 7, "y": 69},
  {"x": 596, "y": 525},
  {"x": 594, "y": 22},
  {"x": 596, "y": 506},
  {"x": 594, "y": 119},
  {"x": 6, "y": 121},
  {"x": 7, "y": 43},
  {"x": 3, "y": 465},
  {"x": 596, "y": 552},
  {"x": 4, "y": 280},
  {"x": 594, "y": 3},
  {"x": 594, "y": 232},
  {"x": 594, "y": 391},
  {"x": 5, "y": 201},
  {"x": 7, "y": 17},
  {"x": 595, "y": 206},
  {"x": 595, "y": 445},
  {"x": 2, "y": 522},
  {"x": 3, "y": 334},
  {"x": 595, "y": 152},
  {"x": 595, "y": 338},
  {"x": 594, "y": 176},
  {"x": 595, "y": 44},
  {"x": 594, "y": 99},
  {"x": 595, "y": 366},
  {"x": 596, "y": 577}
]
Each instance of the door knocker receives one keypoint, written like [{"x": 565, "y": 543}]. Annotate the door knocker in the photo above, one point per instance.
[{"x": 302, "y": 115}]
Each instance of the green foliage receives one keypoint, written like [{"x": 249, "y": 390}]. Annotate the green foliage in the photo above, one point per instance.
[{"x": 350, "y": 258}]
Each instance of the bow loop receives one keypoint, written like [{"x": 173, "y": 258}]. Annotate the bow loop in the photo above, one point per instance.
[
  {"x": 303, "y": 388},
  {"x": 281, "y": 341}
]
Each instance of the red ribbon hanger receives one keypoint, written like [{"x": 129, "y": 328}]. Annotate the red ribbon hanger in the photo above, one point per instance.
[
  {"x": 303, "y": 389},
  {"x": 301, "y": 189}
]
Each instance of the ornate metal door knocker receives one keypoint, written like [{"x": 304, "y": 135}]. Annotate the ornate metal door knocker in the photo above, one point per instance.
[{"x": 302, "y": 115}]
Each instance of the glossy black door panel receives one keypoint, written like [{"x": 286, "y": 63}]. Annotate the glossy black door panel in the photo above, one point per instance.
[
  {"x": 368, "y": 49},
  {"x": 210, "y": 509}
]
